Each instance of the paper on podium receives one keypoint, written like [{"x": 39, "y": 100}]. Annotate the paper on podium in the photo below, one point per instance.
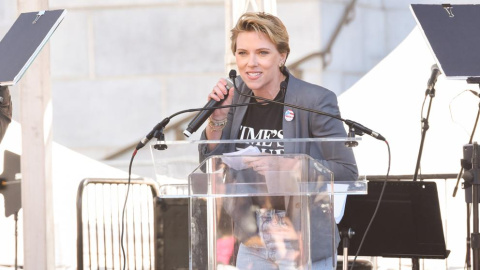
[
  {"x": 234, "y": 160},
  {"x": 24, "y": 41}
]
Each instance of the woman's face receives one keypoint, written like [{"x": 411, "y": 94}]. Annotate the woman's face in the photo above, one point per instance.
[{"x": 258, "y": 62}]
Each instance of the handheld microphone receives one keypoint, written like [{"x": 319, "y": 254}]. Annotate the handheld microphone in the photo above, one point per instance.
[
  {"x": 202, "y": 116},
  {"x": 433, "y": 78}
]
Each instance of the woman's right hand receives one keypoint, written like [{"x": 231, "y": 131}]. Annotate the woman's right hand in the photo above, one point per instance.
[
  {"x": 219, "y": 115},
  {"x": 218, "y": 93}
]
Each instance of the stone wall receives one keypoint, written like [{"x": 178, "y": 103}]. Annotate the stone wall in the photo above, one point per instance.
[{"x": 121, "y": 66}]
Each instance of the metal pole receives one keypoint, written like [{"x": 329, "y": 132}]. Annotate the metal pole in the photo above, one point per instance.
[
  {"x": 475, "y": 235},
  {"x": 36, "y": 160}
]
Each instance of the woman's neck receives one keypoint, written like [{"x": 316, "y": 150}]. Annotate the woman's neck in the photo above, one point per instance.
[{"x": 273, "y": 89}]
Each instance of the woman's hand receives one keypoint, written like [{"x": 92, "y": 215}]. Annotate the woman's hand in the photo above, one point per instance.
[
  {"x": 219, "y": 116},
  {"x": 263, "y": 163},
  {"x": 218, "y": 93},
  {"x": 271, "y": 163}
]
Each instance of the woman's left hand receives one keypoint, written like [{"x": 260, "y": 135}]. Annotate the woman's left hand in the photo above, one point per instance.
[
  {"x": 263, "y": 163},
  {"x": 266, "y": 163}
]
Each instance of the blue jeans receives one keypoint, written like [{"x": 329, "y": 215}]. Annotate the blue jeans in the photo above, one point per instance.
[
  {"x": 249, "y": 258},
  {"x": 280, "y": 246}
]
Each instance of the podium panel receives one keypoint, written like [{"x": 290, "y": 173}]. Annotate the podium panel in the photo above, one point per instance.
[{"x": 247, "y": 208}]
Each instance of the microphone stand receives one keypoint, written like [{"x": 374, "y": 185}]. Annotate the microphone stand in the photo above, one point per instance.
[
  {"x": 468, "y": 196},
  {"x": 15, "y": 216},
  {"x": 469, "y": 142},
  {"x": 475, "y": 237},
  {"x": 472, "y": 180},
  {"x": 425, "y": 127},
  {"x": 471, "y": 195}
]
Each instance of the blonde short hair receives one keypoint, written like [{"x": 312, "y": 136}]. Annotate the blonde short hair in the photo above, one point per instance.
[{"x": 262, "y": 22}]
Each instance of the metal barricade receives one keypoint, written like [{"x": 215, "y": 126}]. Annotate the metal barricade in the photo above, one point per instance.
[{"x": 100, "y": 204}]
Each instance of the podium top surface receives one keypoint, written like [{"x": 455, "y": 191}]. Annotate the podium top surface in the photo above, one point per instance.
[
  {"x": 253, "y": 141},
  {"x": 181, "y": 169},
  {"x": 453, "y": 35},
  {"x": 24, "y": 41}
]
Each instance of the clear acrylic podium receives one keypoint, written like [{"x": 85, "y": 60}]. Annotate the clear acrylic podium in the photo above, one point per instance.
[{"x": 280, "y": 206}]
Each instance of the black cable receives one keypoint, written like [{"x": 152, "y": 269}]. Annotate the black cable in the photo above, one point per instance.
[
  {"x": 165, "y": 121},
  {"x": 124, "y": 208},
  {"x": 357, "y": 127},
  {"x": 283, "y": 89},
  {"x": 376, "y": 208},
  {"x": 422, "y": 120}
]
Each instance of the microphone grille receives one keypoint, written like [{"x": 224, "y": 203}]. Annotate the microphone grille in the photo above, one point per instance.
[
  {"x": 232, "y": 74},
  {"x": 229, "y": 83}
]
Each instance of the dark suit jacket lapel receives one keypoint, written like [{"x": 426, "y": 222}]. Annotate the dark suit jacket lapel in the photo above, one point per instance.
[
  {"x": 238, "y": 117},
  {"x": 290, "y": 127}
]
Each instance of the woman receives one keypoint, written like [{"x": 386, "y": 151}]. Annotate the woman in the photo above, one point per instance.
[{"x": 260, "y": 44}]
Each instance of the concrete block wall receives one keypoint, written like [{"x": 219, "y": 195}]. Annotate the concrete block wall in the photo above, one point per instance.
[{"x": 119, "y": 70}]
